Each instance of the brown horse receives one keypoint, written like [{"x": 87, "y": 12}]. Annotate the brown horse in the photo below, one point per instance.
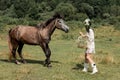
[{"x": 40, "y": 35}]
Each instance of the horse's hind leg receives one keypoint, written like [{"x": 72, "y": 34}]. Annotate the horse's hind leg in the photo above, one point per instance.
[
  {"x": 14, "y": 53},
  {"x": 20, "y": 52}
]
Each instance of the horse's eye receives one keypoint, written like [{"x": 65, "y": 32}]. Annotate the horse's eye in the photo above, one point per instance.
[{"x": 59, "y": 21}]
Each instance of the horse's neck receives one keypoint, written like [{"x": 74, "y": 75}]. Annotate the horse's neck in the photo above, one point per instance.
[{"x": 50, "y": 28}]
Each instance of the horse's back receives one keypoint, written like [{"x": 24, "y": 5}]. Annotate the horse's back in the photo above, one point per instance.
[
  {"x": 26, "y": 28},
  {"x": 22, "y": 30},
  {"x": 25, "y": 34}
]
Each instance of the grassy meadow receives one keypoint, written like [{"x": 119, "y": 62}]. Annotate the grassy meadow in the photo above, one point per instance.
[{"x": 66, "y": 58}]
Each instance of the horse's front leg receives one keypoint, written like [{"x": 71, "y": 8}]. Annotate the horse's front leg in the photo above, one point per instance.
[{"x": 47, "y": 52}]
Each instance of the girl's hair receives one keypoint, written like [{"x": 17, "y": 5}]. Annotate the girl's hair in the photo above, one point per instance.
[
  {"x": 87, "y": 24},
  {"x": 87, "y": 28}
]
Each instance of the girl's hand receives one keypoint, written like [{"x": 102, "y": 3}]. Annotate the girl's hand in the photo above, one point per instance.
[{"x": 81, "y": 33}]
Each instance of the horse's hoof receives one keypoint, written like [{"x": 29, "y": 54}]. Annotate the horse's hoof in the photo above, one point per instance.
[
  {"x": 17, "y": 62},
  {"x": 46, "y": 65},
  {"x": 49, "y": 66},
  {"x": 24, "y": 62}
]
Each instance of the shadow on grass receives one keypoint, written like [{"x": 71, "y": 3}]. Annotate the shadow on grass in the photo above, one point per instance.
[
  {"x": 29, "y": 61},
  {"x": 78, "y": 66}
]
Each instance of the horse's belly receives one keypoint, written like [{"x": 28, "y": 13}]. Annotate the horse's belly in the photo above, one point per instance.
[{"x": 30, "y": 41}]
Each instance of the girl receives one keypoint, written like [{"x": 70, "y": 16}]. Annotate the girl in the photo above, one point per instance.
[{"x": 90, "y": 48}]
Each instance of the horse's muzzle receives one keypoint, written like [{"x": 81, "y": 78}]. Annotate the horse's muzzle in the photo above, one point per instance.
[{"x": 67, "y": 30}]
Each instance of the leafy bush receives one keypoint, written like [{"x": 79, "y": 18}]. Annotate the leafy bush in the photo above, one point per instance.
[
  {"x": 2, "y": 27},
  {"x": 115, "y": 10},
  {"x": 75, "y": 24},
  {"x": 44, "y": 7},
  {"x": 22, "y": 7},
  {"x": 79, "y": 17},
  {"x": 67, "y": 37},
  {"x": 117, "y": 24},
  {"x": 9, "y": 12},
  {"x": 113, "y": 20},
  {"x": 87, "y": 8},
  {"x": 4, "y": 4},
  {"x": 106, "y": 15},
  {"x": 66, "y": 9},
  {"x": 33, "y": 23},
  {"x": 34, "y": 12}
]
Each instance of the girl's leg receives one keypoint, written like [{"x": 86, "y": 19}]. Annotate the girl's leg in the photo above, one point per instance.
[
  {"x": 88, "y": 57},
  {"x": 86, "y": 65},
  {"x": 90, "y": 60}
]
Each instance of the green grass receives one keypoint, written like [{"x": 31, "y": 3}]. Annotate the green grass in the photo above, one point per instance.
[{"x": 67, "y": 60}]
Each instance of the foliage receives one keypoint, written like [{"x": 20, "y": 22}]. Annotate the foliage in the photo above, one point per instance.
[
  {"x": 34, "y": 12},
  {"x": 106, "y": 15},
  {"x": 54, "y": 3},
  {"x": 77, "y": 10},
  {"x": 4, "y": 4},
  {"x": 66, "y": 9},
  {"x": 115, "y": 10},
  {"x": 22, "y": 7},
  {"x": 89, "y": 10}
]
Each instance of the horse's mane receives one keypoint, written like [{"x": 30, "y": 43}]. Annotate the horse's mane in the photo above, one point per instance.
[
  {"x": 43, "y": 25},
  {"x": 53, "y": 18}
]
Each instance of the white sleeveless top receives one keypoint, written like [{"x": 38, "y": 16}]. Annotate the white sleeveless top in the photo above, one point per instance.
[{"x": 90, "y": 39}]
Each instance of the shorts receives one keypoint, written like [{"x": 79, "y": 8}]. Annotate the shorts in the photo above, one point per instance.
[{"x": 90, "y": 50}]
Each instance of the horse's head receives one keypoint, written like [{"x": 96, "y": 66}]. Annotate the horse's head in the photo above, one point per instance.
[{"x": 59, "y": 24}]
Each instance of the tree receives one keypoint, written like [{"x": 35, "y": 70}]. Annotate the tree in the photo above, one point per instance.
[
  {"x": 89, "y": 10},
  {"x": 66, "y": 9},
  {"x": 115, "y": 10},
  {"x": 22, "y": 7},
  {"x": 53, "y": 3},
  {"x": 34, "y": 12},
  {"x": 4, "y": 4},
  {"x": 44, "y": 6}
]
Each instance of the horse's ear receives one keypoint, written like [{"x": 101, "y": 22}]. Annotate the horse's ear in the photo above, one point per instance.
[{"x": 57, "y": 15}]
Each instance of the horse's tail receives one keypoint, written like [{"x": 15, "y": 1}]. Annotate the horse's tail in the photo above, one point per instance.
[{"x": 10, "y": 44}]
